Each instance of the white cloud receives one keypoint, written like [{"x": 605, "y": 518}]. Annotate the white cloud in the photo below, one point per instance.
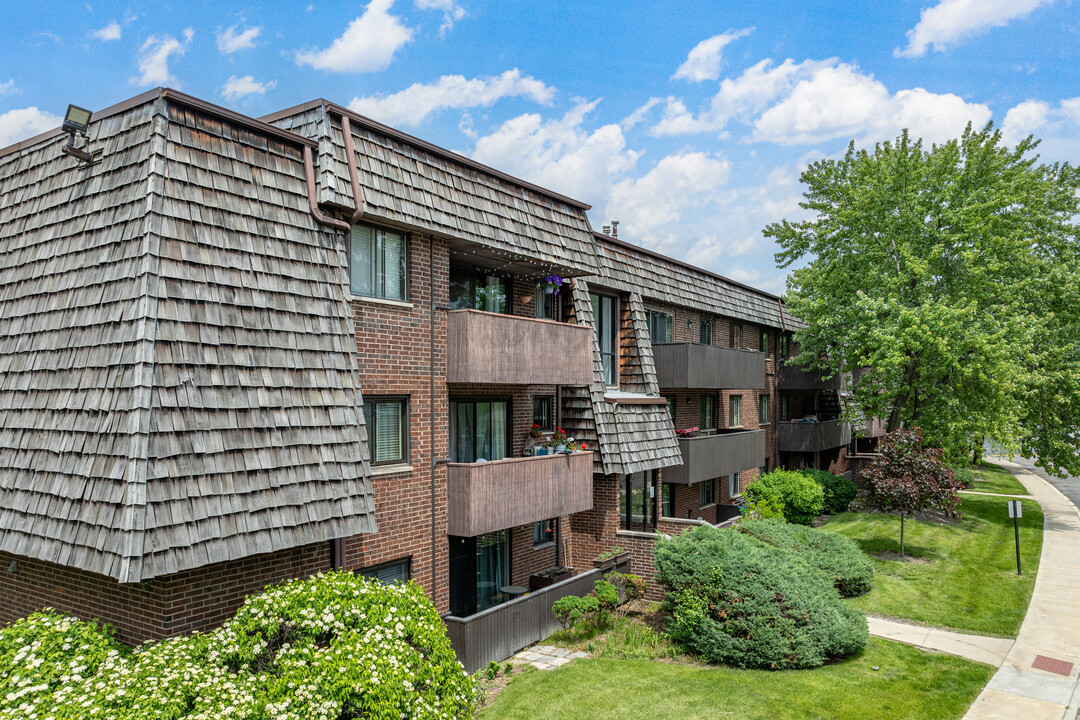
[
  {"x": 452, "y": 12},
  {"x": 840, "y": 102},
  {"x": 658, "y": 198},
  {"x": 951, "y": 21},
  {"x": 9, "y": 88},
  {"x": 703, "y": 62},
  {"x": 413, "y": 104},
  {"x": 230, "y": 41},
  {"x": 739, "y": 98},
  {"x": 1043, "y": 120},
  {"x": 154, "y": 58},
  {"x": 110, "y": 32},
  {"x": 16, "y": 125},
  {"x": 367, "y": 45},
  {"x": 238, "y": 87},
  {"x": 559, "y": 154}
]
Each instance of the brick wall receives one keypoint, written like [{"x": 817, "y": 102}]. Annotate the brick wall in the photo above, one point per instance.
[{"x": 197, "y": 599}]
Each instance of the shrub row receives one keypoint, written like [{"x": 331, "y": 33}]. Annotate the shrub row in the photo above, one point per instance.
[
  {"x": 838, "y": 490},
  {"x": 737, "y": 601},
  {"x": 332, "y": 646}
]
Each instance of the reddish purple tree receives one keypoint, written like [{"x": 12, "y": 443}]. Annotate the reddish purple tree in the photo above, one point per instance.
[{"x": 906, "y": 478}]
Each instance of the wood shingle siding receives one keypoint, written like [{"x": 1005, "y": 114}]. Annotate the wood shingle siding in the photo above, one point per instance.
[
  {"x": 178, "y": 380},
  {"x": 410, "y": 184}
]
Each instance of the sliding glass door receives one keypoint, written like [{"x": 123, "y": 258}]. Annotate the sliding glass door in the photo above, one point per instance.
[
  {"x": 492, "y": 568},
  {"x": 479, "y": 430}
]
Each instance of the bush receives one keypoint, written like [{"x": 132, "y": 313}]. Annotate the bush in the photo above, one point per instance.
[
  {"x": 633, "y": 586},
  {"x": 837, "y": 556},
  {"x": 839, "y": 491},
  {"x": 738, "y": 601},
  {"x": 334, "y": 645},
  {"x": 571, "y": 609},
  {"x": 964, "y": 476},
  {"x": 606, "y": 594},
  {"x": 801, "y": 498}
]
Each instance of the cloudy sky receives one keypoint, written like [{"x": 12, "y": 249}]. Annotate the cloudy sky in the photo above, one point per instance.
[{"x": 689, "y": 122}]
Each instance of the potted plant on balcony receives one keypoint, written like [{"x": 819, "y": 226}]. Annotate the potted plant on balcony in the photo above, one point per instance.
[
  {"x": 688, "y": 432},
  {"x": 551, "y": 284},
  {"x": 548, "y": 577},
  {"x": 616, "y": 558},
  {"x": 557, "y": 441},
  {"x": 533, "y": 446}
]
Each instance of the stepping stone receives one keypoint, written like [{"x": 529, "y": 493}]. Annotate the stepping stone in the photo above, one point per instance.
[
  {"x": 576, "y": 655},
  {"x": 562, "y": 652},
  {"x": 558, "y": 662},
  {"x": 541, "y": 666}
]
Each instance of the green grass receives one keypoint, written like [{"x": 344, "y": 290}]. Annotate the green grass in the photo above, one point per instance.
[
  {"x": 911, "y": 685},
  {"x": 994, "y": 479},
  {"x": 970, "y": 583}
]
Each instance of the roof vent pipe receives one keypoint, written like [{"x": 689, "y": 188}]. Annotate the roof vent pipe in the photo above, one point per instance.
[
  {"x": 614, "y": 228},
  {"x": 607, "y": 230}
]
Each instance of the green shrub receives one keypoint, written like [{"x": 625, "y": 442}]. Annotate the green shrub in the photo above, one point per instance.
[
  {"x": 571, "y": 609},
  {"x": 606, "y": 594},
  {"x": 800, "y": 497},
  {"x": 839, "y": 491},
  {"x": 633, "y": 586},
  {"x": 738, "y": 601},
  {"x": 964, "y": 476},
  {"x": 837, "y": 556},
  {"x": 332, "y": 646},
  {"x": 764, "y": 502}
]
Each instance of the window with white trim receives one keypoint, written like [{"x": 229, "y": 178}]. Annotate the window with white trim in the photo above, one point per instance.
[{"x": 377, "y": 263}]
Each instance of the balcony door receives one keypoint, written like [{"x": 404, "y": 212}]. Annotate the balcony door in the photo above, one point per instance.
[
  {"x": 479, "y": 430},
  {"x": 474, "y": 290}
]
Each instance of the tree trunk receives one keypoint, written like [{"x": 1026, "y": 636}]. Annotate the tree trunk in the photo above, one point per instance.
[
  {"x": 901, "y": 534},
  {"x": 976, "y": 452}
]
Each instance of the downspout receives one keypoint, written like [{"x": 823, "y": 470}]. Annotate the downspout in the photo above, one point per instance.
[
  {"x": 313, "y": 205},
  {"x": 431, "y": 403},
  {"x": 354, "y": 175}
]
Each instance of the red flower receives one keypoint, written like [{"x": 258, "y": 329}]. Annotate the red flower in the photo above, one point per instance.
[{"x": 584, "y": 446}]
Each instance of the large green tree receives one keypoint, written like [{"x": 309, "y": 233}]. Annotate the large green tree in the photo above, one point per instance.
[{"x": 950, "y": 275}]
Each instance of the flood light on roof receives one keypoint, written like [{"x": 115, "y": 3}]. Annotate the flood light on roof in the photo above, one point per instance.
[{"x": 76, "y": 119}]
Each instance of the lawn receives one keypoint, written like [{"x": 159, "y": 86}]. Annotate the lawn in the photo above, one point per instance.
[
  {"x": 994, "y": 479},
  {"x": 964, "y": 576},
  {"x": 910, "y": 684}
]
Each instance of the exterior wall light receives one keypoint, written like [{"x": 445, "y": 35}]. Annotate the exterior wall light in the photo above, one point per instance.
[{"x": 77, "y": 121}]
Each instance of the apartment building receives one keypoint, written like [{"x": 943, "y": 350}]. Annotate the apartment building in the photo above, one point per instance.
[{"x": 237, "y": 351}]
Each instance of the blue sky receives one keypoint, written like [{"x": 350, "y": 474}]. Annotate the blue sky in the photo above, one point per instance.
[{"x": 689, "y": 122}]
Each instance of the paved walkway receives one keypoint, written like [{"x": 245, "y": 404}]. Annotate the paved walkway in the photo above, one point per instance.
[
  {"x": 980, "y": 648},
  {"x": 1038, "y": 679},
  {"x": 546, "y": 657}
]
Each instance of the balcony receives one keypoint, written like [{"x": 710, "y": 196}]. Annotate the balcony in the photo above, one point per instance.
[
  {"x": 484, "y": 497},
  {"x": 717, "y": 455},
  {"x": 689, "y": 365},
  {"x": 812, "y": 436},
  {"x": 794, "y": 377},
  {"x": 484, "y": 347},
  {"x": 874, "y": 427}
]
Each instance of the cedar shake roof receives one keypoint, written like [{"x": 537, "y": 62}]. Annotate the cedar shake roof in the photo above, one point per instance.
[
  {"x": 178, "y": 381},
  {"x": 409, "y": 182},
  {"x": 625, "y": 266}
]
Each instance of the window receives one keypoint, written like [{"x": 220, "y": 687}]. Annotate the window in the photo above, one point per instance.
[
  {"x": 672, "y": 404},
  {"x": 785, "y": 341},
  {"x": 639, "y": 501},
  {"x": 735, "y": 411},
  {"x": 386, "y": 423},
  {"x": 706, "y": 493},
  {"x": 544, "y": 532},
  {"x": 708, "y": 412},
  {"x": 492, "y": 568},
  {"x": 479, "y": 430},
  {"x": 705, "y": 334},
  {"x": 377, "y": 263},
  {"x": 763, "y": 410},
  {"x": 545, "y": 303},
  {"x": 784, "y": 408},
  {"x": 542, "y": 412},
  {"x": 472, "y": 290},
  {"x": 733, "y": 489},
  {"x": 606, "y": 321},
  {"x": 736, "y": 335},
  {"x": 661, "y": 326},
  {"x": 391, "y": 573},
  {"x": 666, "y": 507},
  {"x": 764, "y": 342}
]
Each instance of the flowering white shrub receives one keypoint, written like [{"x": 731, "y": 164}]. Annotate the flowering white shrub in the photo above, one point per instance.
[{"x": 332, "y": 647}]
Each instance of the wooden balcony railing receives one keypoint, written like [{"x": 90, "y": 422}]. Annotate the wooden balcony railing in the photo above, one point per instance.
[
  {"x": 485, "y": 347},
  {"x": 486, "y": 496}
]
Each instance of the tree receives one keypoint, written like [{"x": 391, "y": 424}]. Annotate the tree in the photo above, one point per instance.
[
  {"x": 946, "y": 281},
  {"x": 906, "y": 478}
]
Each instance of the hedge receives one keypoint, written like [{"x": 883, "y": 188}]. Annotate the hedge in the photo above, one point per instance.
[
  {"x": 332, "y": 646},
  {"x": 838, "y": 490},
  {"x": 737, "y": 601},
  {"x": 837, "y": 556},
  {"x": 802, "y": 498}
]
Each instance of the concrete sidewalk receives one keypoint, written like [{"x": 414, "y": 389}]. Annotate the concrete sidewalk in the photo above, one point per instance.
[
  {"x": 980, "y": 648},
  {"x": 1038, "y": 679}
]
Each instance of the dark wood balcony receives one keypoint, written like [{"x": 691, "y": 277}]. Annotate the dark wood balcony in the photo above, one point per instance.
[
  {"x": 488, "y": 496},
  {"x": 812, "y": 436},
  {"x": 484, "y": 347},
  {"x": 874, "y": 427},
  {"x": 717, "y": 455},
  {"x": 689, "y": 365},
  {"x": 796, "y": 377}
]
